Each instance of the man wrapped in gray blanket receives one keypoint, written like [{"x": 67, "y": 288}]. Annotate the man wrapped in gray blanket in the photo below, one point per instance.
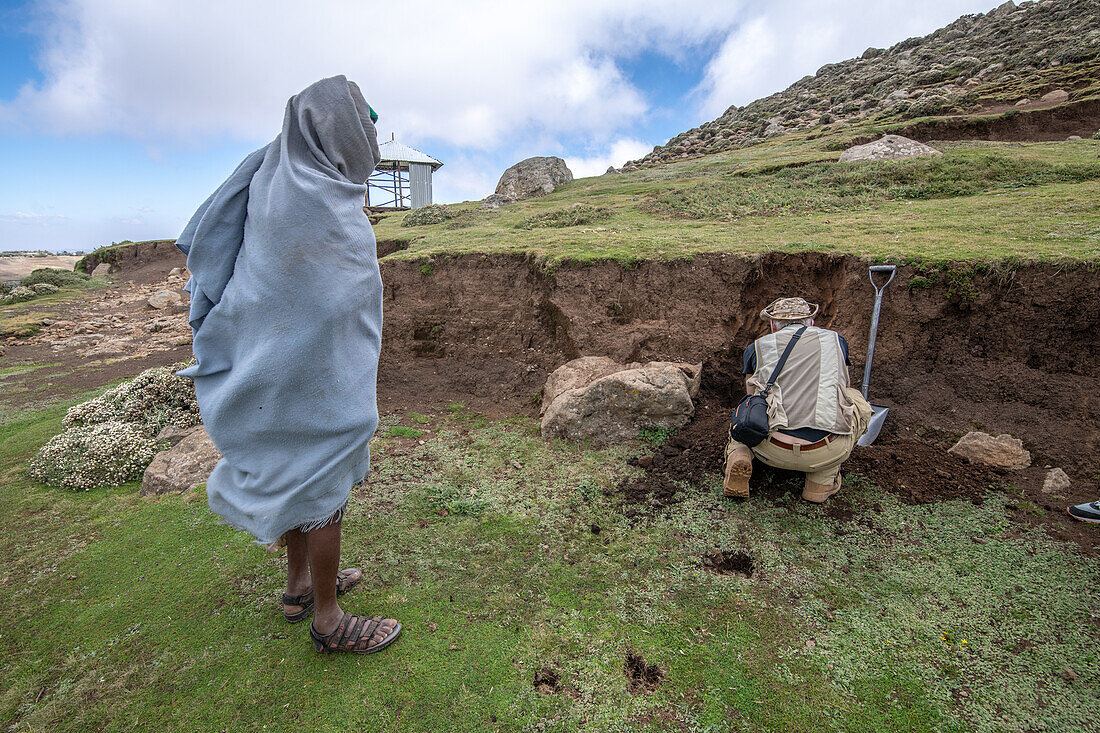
[{"x": 286, "y": 310}]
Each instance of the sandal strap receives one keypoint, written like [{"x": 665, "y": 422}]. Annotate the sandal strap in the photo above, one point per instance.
[
  {"x": 352, "y": 632},
  {"x": 303, "y": 600}
]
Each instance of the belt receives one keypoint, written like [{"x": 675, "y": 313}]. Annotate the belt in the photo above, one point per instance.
[{"x": 810, "y": 446}]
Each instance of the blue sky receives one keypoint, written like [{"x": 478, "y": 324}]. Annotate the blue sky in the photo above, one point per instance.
[{"x": 118, "y": 117}]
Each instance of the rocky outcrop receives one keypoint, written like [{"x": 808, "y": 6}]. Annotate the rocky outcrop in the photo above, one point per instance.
[
  {"x": 183, "y": 466},
  {"x": 1002, "y": 451},
  {"x": 533, "y": 177},
  {"x": 889, "y": 147},
  {"x": 965, "y": 67},
  {"x": 593, "y": 398}
]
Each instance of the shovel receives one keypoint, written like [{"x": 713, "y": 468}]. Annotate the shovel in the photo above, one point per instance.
[{"x": 878, "y": 414}]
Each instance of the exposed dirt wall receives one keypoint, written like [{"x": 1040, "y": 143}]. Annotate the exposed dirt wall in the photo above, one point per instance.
[
  {"x": 1055, "y": 123},
  {"x": 141, "y": 262},
  {"x": 1011, "y": 351}
]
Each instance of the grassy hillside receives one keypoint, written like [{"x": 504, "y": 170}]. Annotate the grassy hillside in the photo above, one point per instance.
[
  {"x": 979, "y": 63},
  {"x": 980, "y": 200}
]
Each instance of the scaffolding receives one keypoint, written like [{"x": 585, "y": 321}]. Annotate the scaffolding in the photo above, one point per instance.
[{"x": 402, "y": 180}]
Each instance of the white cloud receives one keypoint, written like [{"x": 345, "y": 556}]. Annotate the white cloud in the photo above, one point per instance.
[
  {"x": 471, "y": 74},
  {"x": 779, "y": 42},
  {"x": 22, "y": 217},
  {"x": 618, "y": 153}
]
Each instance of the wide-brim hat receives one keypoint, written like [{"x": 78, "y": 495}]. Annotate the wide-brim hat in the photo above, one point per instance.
[{"x": 789, "y": 309}]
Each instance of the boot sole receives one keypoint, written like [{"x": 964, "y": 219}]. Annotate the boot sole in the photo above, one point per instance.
[{"x": 736, "y": 483}]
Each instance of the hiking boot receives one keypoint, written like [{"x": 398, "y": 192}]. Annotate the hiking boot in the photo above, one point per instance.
[
  {"x": 1089, "y": 512},
  {"x": 738, "y": 473},
  {"x": 818, "y": 493}
]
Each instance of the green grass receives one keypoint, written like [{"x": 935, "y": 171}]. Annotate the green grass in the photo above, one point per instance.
[
  {"x": 980, "y": 201},
  {"x": 506, "y": 557}
]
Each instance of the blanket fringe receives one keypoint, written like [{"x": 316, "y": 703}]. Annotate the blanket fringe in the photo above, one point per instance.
[{"x": 322, "y": 523}]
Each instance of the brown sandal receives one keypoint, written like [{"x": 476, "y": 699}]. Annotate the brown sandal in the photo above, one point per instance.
[
  {"x": 354, "y": 634},
  {"x": 345, "y": 581}
]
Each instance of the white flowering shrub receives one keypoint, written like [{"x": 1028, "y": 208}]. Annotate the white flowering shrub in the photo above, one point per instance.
[
  {"x": 106, "y": 454},
  {"x": 18, "y": 294},
  {"x": 155, "y": 398},
  {"x": 44, "y": 288}
]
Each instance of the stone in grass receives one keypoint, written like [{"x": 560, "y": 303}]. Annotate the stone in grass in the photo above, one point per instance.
[
  {"x": 594, "y": 398},
  {"x": 1002, "y": 451},
  {"x": 889, "y": 147},
  {"x": 533, "y": 177},
  {"x": 1056, "y": 481},
  {"x": 164, "y": 299},
  {"x": 101, "y": 270},
  {"x": 183, "y": 466},
  {"x": 1056, "y": 97}
]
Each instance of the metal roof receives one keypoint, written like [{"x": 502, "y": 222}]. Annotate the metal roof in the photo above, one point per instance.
[{"x": 395, "y": 152}]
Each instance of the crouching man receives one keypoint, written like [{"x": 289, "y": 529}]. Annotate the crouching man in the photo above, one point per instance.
[{"x": 814, "y": 416}]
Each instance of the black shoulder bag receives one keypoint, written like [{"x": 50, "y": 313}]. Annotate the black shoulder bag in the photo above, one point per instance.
[{"x": 749, "y": 424}]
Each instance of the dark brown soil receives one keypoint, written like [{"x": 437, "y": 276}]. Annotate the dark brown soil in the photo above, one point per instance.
[
  {"x": 641, "y": 676},
  {"x": 547, "y": 681},
  {"x": 726, "y": 562}
]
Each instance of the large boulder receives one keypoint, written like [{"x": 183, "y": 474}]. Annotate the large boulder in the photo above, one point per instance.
[
  {"x": 533, "y": 177},
  {"x": 183, "y": 466},
  {"x": 890, "y": 147},
  {"x": 1002, "y": 451},
  {"x": 593, "y": 398}
]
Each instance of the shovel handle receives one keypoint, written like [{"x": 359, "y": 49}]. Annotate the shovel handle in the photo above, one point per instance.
[{"x": 893, "y": 270}]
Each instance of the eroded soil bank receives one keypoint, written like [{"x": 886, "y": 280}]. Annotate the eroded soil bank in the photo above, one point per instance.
[
  {"x": 1000, "y": 349},
  {"x": 960, "y": 347}
]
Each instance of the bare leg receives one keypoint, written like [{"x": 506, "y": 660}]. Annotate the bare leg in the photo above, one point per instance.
[
  {"x": 297, "y": 566},
  {"x": 324, "y": 563}
]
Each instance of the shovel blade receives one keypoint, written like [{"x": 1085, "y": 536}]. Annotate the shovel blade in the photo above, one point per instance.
[{"x": 878, "y": 417}]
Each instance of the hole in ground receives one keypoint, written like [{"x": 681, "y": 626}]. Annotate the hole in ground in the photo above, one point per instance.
[
  {"x": 641, "y": 676},
  {"x": 547, "y": 681},
  {"x": 725, "y": 562}
]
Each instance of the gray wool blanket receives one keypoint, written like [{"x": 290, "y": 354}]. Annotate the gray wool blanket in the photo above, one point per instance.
[{"x": 286, "y": 310}]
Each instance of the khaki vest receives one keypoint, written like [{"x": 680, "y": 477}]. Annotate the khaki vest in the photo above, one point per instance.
[{"x": 809, "y": 392}]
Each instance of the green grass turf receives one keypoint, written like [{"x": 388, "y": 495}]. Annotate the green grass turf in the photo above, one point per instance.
[
  {"x": 981, "y": 200},
  {"x": 123, "y": 612}
]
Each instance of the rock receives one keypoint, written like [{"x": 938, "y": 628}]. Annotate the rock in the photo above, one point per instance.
[
  {"x": 1006, "y": 8},
  {"x": 1002, "y": 451},
  {"x": 612, "y": 170},
  {"x": 872, "y": 52},
  {"x": 175, "y": 271},
  {"x": 890, "y": 147},
  {"x": 172, "y": 435},
  {"x": 1056, "y": 482},
  {"x": 1056, "y": 97},
  {"x": 494, "y": 201},
  {"x": 533, "y": 177},
  {"x": 101, "y": 270},
  {"x": 773, "y": 129},
  {"x": 1023, "y": 102},
  {"x": 1068, "y": 674},
  {"x": 1074, "y": 137},
  {"x": 165, "y": 298},
  {"x": 183, "y": 466},
  {"x": 595, "y": 399}
]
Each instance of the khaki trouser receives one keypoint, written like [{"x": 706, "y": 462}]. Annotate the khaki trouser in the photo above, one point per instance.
[{"x": 821, "y": 465}]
